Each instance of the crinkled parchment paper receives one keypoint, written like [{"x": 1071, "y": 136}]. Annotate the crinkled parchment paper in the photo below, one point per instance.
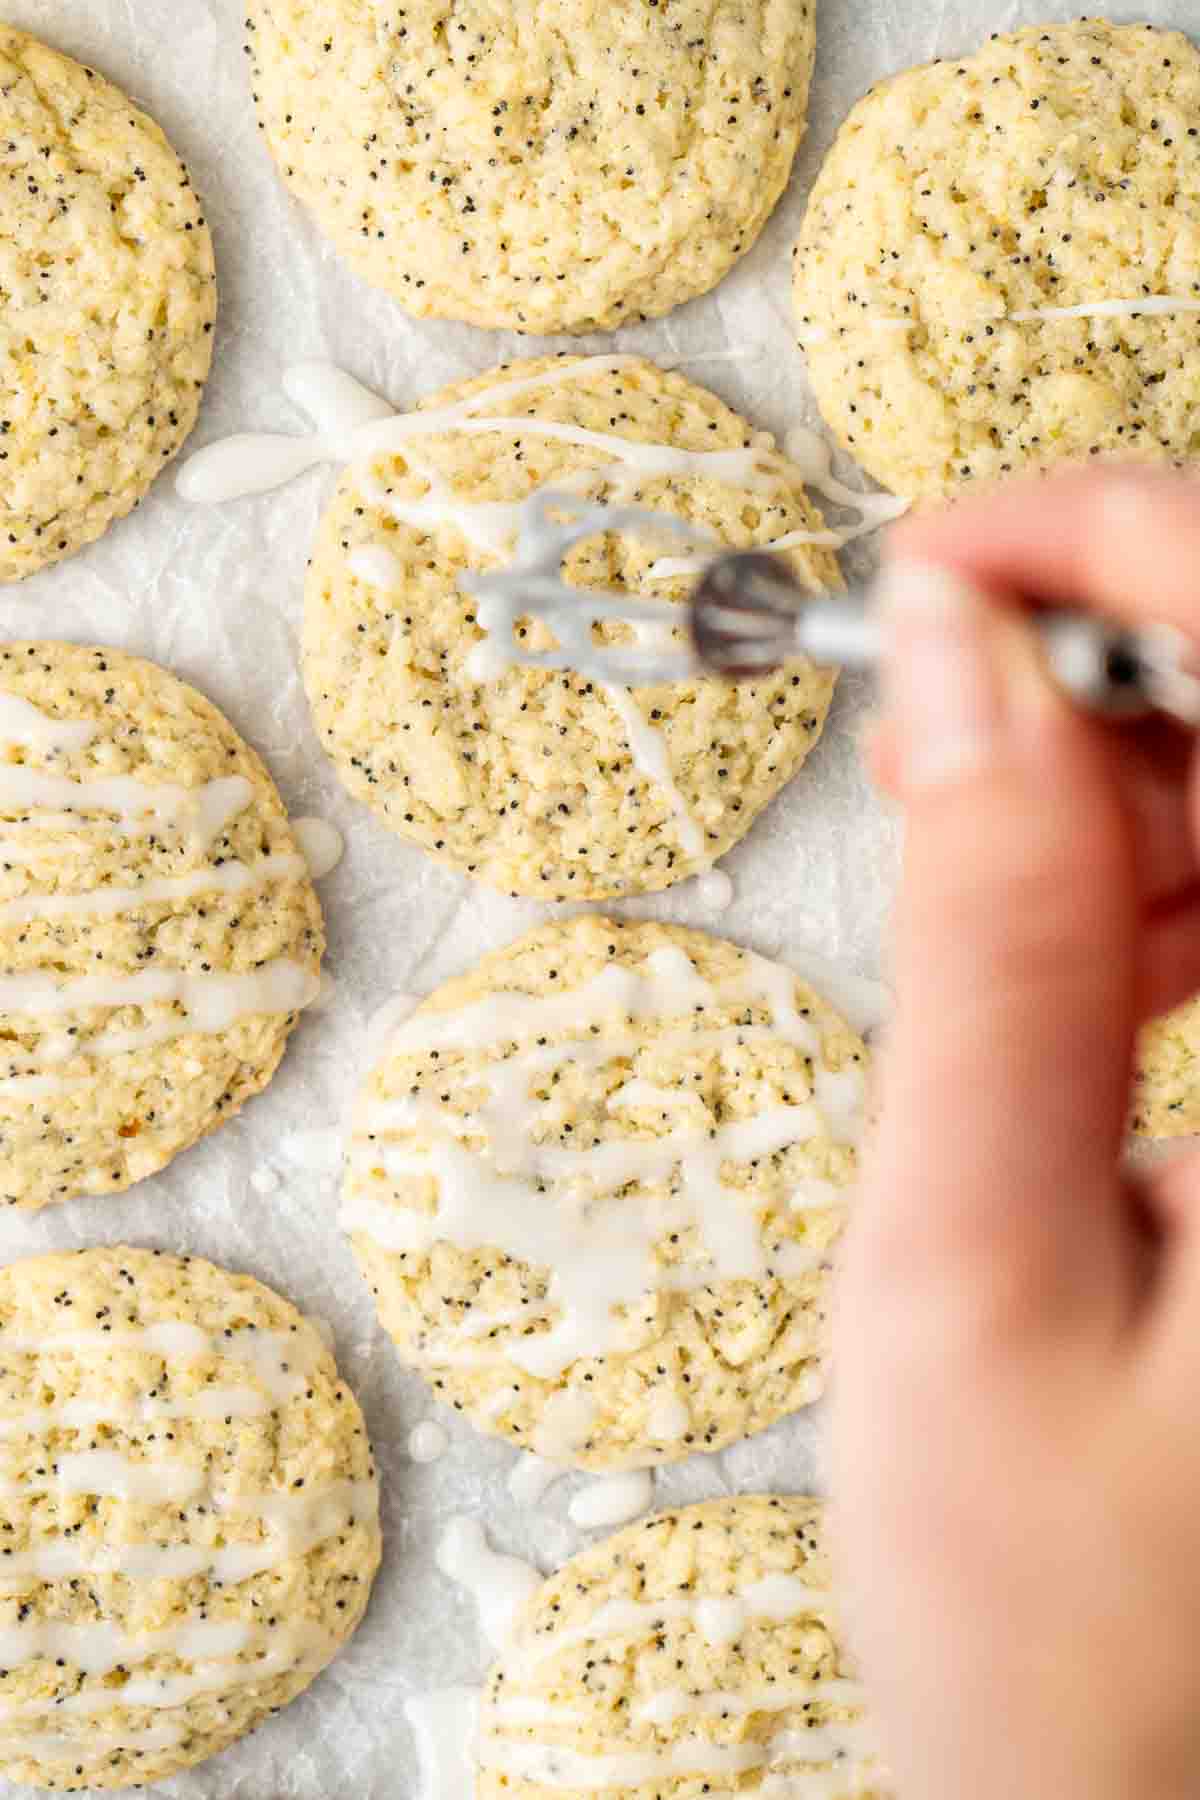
[{"x": 216, "y": 597}]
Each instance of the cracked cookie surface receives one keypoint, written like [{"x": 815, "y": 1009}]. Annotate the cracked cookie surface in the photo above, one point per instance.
[
  {"x": 963, "y": 207},
  {"x": 106, "y": 268},
  {"x": 558, "y": 166}
]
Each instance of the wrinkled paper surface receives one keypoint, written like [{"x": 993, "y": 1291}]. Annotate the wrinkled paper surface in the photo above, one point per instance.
[{"x": 215, "y": 595}]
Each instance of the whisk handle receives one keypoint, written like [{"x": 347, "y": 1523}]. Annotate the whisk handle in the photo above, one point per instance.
[{"x": 750, "y": 615}]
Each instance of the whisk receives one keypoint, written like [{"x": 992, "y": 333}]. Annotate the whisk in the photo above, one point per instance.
[{"x": 749, "y": 615}]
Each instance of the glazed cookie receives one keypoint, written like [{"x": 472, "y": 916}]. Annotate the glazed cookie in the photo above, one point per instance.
[
  {"x": 190, "y": 1514},
  {"x": 541, "y": 169},
  {"x": 595, "y": 1188},
  {"x": 158, "y": 929},
  {"x": 109, "y": 301},
  {"x": 692, "y": 1654},
  {"x": 1000, "y": 264},
  {"x": 549, "y": 781}
]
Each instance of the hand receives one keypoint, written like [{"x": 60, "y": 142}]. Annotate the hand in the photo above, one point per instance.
[{"x": 1017, "y": 1398}]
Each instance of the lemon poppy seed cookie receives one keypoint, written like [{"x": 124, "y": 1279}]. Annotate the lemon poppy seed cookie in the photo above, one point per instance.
[
  {"x": 189, "y": 1510},
  {"x": 695, "y": 1653},
  {"x": 596, "y": 1185},
  {"x": 540, "y": 167},
  {"x": 548, "y": 780},
  {"x": 1000, "y": 264},
  {"x": 109, "y": 301},
  {"x": 158, "y": 929},
  {"x": 1166, "y": 1099}
]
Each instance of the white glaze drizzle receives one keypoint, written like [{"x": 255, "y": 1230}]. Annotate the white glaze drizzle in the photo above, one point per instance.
[
  {"x": 108, "y": 902},
  {"x": 665, "y": 986},
  {"x": 652, "y": 759},
  {"x": 209, "y": 1002},
  {"x": 1150, "y": 304},
  {"x": 158, "y": 1692},
  {"x": 445, "y": 1724},
  {"x": 668, "y": 1418},
  {"x": 84, "y": 1415},
  {"x": 356, "y": 425},
  {"x": 558, "y": 1766},
  {"x": 666, "y": 1705},
  {"x": 813, "y": 457},
  {"x": 428, "y": 1442},
  {"x": 714, "y": 889},
  {"x": 500, "y": 1586},
  {"x": 612, "y": 1500},
  {"x": 376, "y": 566},
  {"x": 532, "y": 1476},
  {"x": 599, "y": 1248},
  {"x": 295, "y": 1524},
  {"x": 60, "y": 1746},
  {"x": 140, "y": 807},
  {"x": 321, "y": 845},
  {"x": 16, "y": 1089},
  {"x": 24, "y": 852},
  {"x": 109, "y": 1475},
  {"x": 718, "y": 1619},
  {"x": 99, "y": 1648},
  {"x": 30, "y": 729},
  {"x": 335, "y": 400},
  {"x": 280, "y": 1360},
  {"x": 564, "y": 1425}
]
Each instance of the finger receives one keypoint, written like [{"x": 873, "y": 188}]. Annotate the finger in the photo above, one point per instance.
[
  {"x": 1016, "y": 963},
  {"x": 1171, "y": 1351},
  {"x": 1152, "y": 764},
  {"x": 877, "y": 746},
  {"x": 1169, "y": 963},
  {"x": 882, "y": 754},
  {"x": 1122, "y": 539}
]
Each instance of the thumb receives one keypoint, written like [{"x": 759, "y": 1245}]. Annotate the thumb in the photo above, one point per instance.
[{"x": 1016, "y": 944}]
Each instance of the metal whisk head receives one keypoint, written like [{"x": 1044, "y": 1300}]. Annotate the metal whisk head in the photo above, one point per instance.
[
  {"x": 745, "y": 613},
  {"x": 749, "y": 614}
]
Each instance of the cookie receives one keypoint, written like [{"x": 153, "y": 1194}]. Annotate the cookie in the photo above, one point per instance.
[
  {"x": 1166, "y": 1101},
  {"x": 547, "y": 170},
  {"x": 549, "y": 781},
  {"x": 109, "y": 302},
  {"x": 976, "y": 247},
  {"x": 695, "y": 1653},
  {"x": 595, "y": 1187},
  {"x": 158, "y": 929},
  {"x": 189, "y": 1508}
]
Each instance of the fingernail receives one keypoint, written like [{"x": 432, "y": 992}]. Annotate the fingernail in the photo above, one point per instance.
[{"x": 945, "y": 672}]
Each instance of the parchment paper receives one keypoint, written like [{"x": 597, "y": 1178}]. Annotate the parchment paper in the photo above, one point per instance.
[{"x": 216, "y": 596}]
